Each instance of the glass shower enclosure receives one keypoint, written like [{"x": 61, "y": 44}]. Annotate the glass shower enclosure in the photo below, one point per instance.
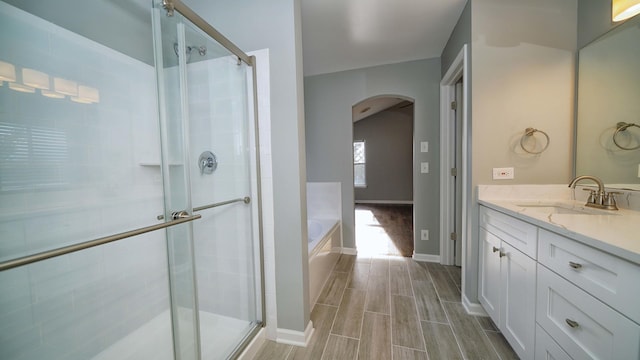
[{"x": 129, "y": 193}]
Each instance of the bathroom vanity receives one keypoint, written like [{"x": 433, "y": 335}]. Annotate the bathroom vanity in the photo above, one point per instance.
[{"x": 559, "y": 279}]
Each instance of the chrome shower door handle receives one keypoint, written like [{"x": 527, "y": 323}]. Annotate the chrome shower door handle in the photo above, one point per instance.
[{"x": 176, "y": 215}]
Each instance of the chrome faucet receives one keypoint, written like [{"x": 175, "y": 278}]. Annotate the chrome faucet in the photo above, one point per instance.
[{"x": 597, "y": 198}]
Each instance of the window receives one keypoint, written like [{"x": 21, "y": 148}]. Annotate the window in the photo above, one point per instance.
[
  {"x": 359, "y": 164},
  {"x": 32, "y": 157}
]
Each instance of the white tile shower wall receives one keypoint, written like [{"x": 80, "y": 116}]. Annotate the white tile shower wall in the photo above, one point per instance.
[
  {"x": 76, "y": 305},
  {"x": 219, "y": 122}
]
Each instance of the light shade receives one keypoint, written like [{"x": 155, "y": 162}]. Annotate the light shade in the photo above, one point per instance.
[
  {"x": 21, "y": 88},
  {"x": 35, "y": 79},
  {"x": 87, "y": 95},
  {"x": 65, "y": 87},
  {"x": 51, "y": 94},
  {"x": 624, "y": 9},
  {"x": 7, "y": 72}
]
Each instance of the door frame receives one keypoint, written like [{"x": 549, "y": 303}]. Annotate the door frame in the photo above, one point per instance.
[{"x": 459, "y": 69}]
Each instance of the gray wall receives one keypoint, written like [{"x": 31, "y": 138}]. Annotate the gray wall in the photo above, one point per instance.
[
  {"x": 461, "y": 35},
  {"x": 255, "y": 25},
  {"x": 329, "y": 134},
  {"x": 594, "y": 19},
  {"x": 523, "y": 76},
  {"x": 388, "y": 137}
]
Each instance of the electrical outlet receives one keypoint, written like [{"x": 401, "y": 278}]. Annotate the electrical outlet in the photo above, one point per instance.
[
  {"x": 424, "y": 167},
  {"x": 424, "y": 234},
  {"x": 424, "y": 146},
  {"x": 503, "y": 173}
]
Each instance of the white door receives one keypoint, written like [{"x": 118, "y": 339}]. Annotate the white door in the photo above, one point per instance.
[
  {"x": 518, "y": 295},
  {"x": 457, "y": 176},
  {"x": 489, "y": 277}
]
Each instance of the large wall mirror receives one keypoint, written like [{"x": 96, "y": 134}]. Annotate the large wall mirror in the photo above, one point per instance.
[{"x": 608, "y": 107}]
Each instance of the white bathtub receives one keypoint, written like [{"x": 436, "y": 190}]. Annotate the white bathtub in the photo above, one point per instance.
[{"x": 325, "y": 242}]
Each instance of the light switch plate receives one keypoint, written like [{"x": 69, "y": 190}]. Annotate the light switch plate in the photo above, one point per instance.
[
  {"x": 424, "y": 167},
  {"x": 503, "y": 173},
  {"x": 424, "y": 234},
  {"x": 424, "y": 146}
]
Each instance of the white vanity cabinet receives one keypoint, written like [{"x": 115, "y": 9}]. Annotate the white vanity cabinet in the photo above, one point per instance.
[
  {"x": 507, "y": 279},
  {"x": 587, "y": 300},
  {"x": 562, "y": 300}
]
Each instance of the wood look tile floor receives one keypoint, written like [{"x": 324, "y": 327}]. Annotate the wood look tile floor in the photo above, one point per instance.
[{"x": 392, "y": 307}]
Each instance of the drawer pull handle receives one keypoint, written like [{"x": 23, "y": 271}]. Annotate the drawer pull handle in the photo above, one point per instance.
[
  {"x": 575, "y": 265},
  {"x": 573, "y": 324},
  {"x": 502, "y": 254},
  {"x": 495, "y": 249}
]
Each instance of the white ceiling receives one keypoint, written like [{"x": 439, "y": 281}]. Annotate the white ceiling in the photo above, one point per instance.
[{"x": 342, "y": 35}]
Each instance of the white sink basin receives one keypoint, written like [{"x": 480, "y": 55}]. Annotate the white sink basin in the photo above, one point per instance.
[{"x": 564, "y": 209}]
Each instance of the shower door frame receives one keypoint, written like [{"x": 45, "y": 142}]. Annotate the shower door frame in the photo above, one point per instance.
[{"x": 176, "y": 5}]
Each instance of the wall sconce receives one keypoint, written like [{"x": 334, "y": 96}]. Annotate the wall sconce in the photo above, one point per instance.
[{"x": 624, "y": 9}]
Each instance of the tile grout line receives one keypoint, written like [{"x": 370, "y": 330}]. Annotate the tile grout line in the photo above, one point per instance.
[
  {"x": 290, "y": 351},
  {"x": 333, "y": 322},
  {"x": 491, "y": 343},
  {"x": 364, "y": 304},
  {"x": 415, "y": 302},
  {"x": 455, "y": 336},
  {"x": 390, "y": 309}
]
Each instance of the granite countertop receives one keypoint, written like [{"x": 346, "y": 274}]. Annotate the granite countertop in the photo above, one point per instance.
[{"x": 616, "y": 232}]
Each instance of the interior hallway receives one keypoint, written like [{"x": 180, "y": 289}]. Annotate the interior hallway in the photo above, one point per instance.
[{"x": 380, "y": 305}]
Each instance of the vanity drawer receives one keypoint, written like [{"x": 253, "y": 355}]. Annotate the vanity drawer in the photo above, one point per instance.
[
  {"x": 547, "y": 348},
  {"x": 610, "y": 279},
  {"x": 519, "y": 234},
  {"x": 582, "y": 325}
]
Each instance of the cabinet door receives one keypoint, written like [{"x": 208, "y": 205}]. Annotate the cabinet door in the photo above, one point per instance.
[
  {"x": 517, "y": 300},
  {"x": 489, "y": 275},
  {"x": 546, "y": 348}
]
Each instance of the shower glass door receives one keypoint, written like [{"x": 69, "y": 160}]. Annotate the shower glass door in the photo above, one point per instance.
[{"x": 209, "y": 168}]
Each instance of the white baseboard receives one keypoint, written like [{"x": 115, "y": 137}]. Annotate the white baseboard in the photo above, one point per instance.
[
  {"x": 385, "y": 202},
  {"x": 473, "y": 308},
  {"x": 349, "y": 251},
  {"x": 297, "y": 338},
  {"x": 427, "y": 258},
  {"x": 252, "y": 349}
]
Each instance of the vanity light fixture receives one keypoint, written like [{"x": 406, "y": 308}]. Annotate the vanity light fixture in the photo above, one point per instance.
[
  {"x": 21, "y": 88},
  {"x": 51, "y": 94},
  {"x": 624, "y": 9},
  {"x": 35, "y": 79},
  {"x": 7, "y": 72},
  {"x": 86, "y": 95},
  {"x": 65, "y": 87}
]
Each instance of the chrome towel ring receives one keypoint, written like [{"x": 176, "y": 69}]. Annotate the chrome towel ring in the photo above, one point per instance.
[
  {"x": 622, "y": 126},
  {"x": 528, "y": 132}
]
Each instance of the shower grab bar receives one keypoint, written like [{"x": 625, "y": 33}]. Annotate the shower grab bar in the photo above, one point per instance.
[
  {"x": 245, "y": 200},
  {"x": 184, "y": 10},
  {"x": 181, "y": 218}
]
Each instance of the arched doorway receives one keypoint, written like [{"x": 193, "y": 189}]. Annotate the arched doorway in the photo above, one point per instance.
[{"x": 383, "y": 128}]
